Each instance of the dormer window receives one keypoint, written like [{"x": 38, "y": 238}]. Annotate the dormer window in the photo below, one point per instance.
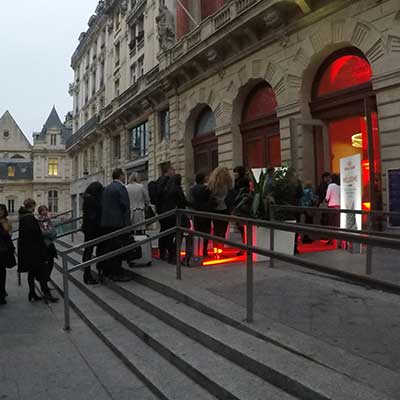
[{"x": 53, "y": 140}]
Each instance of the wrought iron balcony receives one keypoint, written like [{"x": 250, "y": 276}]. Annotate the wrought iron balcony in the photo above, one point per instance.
[{"x": 84, "y": 131}]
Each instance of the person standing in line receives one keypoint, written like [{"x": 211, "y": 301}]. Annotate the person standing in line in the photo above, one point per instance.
[
  {"x": 200, "y": 201},
  {"x": 220, "y": 183},
  {"x": 32, "y": 252},
  {"x": 326, "y": 180},
  {"x": 333, "y": 200},
  {"x": 49, "y": 235},
  {"x": 308, "y": 199},
  {"x": 241, "y": 192},
  {"x": 175, "y": 198},
  {"x": 139, "y": 200},
  {"x": 91, "y": 223},
  {"x": 115, "y": 215},
  {"x": 167, "y": 173},
  {"x": 7, "y": 250}
]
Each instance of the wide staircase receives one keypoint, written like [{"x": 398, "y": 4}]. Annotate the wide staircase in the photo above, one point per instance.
[{"x": 184, "y": 349}]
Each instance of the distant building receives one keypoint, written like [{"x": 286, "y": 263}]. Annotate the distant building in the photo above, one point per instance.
[{"x": 41, "y": 171}]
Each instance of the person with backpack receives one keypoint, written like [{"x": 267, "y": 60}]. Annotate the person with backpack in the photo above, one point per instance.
[{"x": 158, "y": 194}]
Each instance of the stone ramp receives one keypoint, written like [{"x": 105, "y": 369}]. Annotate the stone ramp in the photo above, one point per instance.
[{"x": 204, "y": 339}]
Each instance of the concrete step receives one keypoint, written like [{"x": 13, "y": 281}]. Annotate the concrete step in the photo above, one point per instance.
[
  {"x": 222, "y": 378},
  {"x": 162, "y": 378},
  {"x": 281, "y": 364}
]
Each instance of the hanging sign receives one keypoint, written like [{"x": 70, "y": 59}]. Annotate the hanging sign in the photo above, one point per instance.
[
  {"x": 350, "y": 191},
  {"x": 393, "y": 188}
]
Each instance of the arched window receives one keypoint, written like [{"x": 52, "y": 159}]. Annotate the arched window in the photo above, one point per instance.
[
  {"x": 206, "y": 122},
  {"x": 260, "y": 128},
  {"x": 343, "y": 72},
  {"x": 53, "y": 201},
  {"x": 205, "y": 143}
]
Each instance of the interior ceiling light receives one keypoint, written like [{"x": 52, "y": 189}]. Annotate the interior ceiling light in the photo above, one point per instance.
[{"x": 356, "y": 141}]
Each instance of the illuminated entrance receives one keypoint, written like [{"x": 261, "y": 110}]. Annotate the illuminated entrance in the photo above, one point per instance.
[{"x": 344, "y": 99}]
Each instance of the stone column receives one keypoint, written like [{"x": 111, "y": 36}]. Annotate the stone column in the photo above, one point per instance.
[{"x": 387, "y": 91}]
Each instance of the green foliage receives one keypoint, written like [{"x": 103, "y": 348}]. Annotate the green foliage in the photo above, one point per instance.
[{"x": 284, "y": 189}]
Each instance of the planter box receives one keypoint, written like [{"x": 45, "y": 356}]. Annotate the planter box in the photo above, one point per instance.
[{"x": 283, "y": 241}]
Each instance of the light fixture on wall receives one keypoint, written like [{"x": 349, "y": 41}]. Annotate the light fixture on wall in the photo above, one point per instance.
[
  {"x": 356, "y": 141},
  {"x": 85, "y": 174}
]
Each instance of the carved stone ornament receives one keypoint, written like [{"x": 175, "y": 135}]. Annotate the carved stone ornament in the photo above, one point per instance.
[
  {"x": 100, "y": 7},
  {"x": 273, "y": 19},
  {"x": 110, "y": 25},
  {"x": 165, "y": 28},
  {"x": 124, "y": 7}
]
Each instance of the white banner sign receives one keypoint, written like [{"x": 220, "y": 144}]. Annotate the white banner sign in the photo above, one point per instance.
[{"x": 351, "y": 191}]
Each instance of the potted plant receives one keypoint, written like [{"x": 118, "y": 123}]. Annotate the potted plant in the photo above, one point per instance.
[{"x": 281, "y": 187}]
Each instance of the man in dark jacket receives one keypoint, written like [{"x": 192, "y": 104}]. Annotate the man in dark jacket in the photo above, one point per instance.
[
  {"x": 115, "y": 215},
  {"x": 167, "y": 172}
]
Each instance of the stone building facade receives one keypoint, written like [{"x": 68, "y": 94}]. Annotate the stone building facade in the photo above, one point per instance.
[
  {"x": 41, "y": 171},
  {"x": 259, "y": 83}
]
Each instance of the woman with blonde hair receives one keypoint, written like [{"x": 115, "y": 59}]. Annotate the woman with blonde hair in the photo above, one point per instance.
[{"x": 219, "y": 185}]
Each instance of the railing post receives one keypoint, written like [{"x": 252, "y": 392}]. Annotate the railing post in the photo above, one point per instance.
[
  {"x": 67, "y": 325},
  {"x": 368, "y": 267},
  {"x": 73, "y": 227},
  {"x": 272, "y": 247},
  {"x": 178, "y": 246},
  {"x": 19, "y": 279},
  {"x": 249, "y": 275}
]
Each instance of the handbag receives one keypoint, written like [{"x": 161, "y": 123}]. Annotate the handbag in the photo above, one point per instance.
[
  {"x": 148, "y": 212},
  {"x": 134, "y": 254}
]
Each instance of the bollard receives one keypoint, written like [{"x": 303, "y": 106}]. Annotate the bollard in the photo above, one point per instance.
[
  {"x": 178, "y": 246},
  {"x": 67, "y": 325},
  {"x": 249, "y": 275}
]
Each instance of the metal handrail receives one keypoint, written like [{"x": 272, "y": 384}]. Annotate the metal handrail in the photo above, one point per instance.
[
  {"x": 336, "y": 210},
  {"x": 119, "y": 232},
  {"x": 250, "y": 249}
]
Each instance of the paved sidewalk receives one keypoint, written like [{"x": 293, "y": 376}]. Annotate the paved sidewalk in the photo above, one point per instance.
[{"x": 39, "y": 361}]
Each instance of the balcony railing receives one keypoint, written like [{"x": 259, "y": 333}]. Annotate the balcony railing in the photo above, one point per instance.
[
  {"x": 209, "y": 26},
  {"x": 83, "y": 131}
]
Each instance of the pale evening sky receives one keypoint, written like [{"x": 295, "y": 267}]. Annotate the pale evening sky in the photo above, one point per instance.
[{"x": 37, "y": 39}]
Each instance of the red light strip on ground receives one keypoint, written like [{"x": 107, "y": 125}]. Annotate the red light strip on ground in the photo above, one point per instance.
[{"x": 223, "y": 261}]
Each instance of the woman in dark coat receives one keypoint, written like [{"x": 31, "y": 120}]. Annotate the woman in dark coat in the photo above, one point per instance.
[
  {"x": 7, "y": 249},
  {"x": 91, "y": 224},
  {"x": 32, "y": 252},
  {"x": 174, "y": 198}
]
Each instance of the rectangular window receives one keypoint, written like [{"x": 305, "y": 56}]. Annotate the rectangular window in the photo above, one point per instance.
[
  {"x": 140, "y": 140},
  {"x": 164, "y": 125},
  {"x": 11, "y": 206},
  {"x": 117, "y": 147},
  {"x": 11, "y": 171},
  {"x": 133, "y": 74},
  {"x": 53, "y": 140},
  {"x": 141, "y": 66},
  {"x": 53, "y": 167},
  {"x": 117, "y": 88},
  {"x": 53, "y": 201},
  {"x": 117, "y": 54}
]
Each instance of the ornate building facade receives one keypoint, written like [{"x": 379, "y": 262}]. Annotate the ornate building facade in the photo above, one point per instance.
[
  {"x": 41, "y": 171},
  {"x": 252, "y": 82}
]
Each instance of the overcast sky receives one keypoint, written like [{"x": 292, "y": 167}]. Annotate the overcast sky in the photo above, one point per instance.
[{"x": 37, "y": 39}]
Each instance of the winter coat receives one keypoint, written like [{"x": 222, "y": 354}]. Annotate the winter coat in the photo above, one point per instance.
[
  {"x": 91, "y": 217},
  {"x": 32, "y": 252},
  {"x": 7, "y": 249},
  {"x": 200, "y": 197}
]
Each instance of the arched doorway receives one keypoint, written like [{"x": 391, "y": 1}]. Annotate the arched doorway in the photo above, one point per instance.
[
  {"x": 205, "y": 143},
  {"x": 342, "y": 96},
  {"x": 260, "y": 129}
]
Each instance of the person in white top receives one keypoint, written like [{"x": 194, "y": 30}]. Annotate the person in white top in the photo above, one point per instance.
[
  {"x": 139, "y": 199},
  {"x": 333, "y": 200}
]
